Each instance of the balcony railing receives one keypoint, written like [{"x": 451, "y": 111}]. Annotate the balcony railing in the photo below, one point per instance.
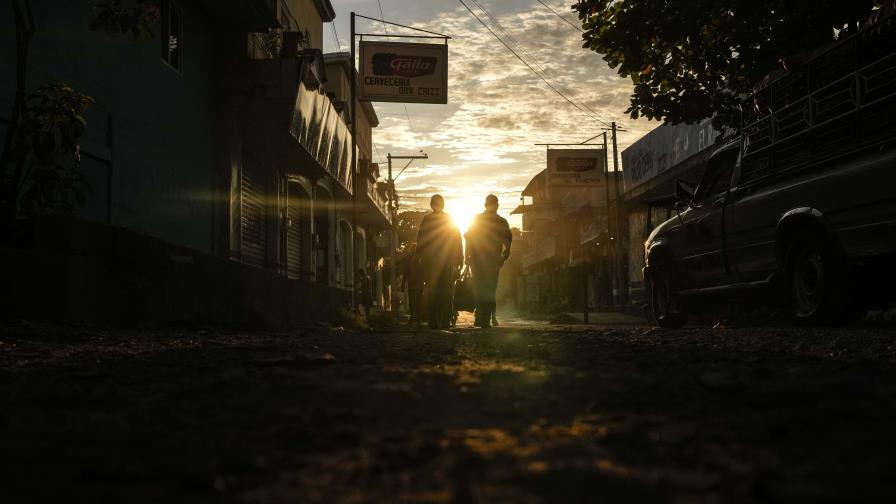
[
  {"x": 378, "y": 198},
  {"x": 840, "y": 100}
]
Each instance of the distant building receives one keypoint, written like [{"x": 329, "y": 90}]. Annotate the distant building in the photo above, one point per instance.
[
  {"x": 564, "y": 246},
  {"x": 374, "y": 217}
]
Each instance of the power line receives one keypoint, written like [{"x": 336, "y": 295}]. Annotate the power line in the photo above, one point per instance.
[
  {"x": 553, "y": 88},
  {"x": 570, "y": 23},
  {"x": 382, "y": 17},
  {"x": 535, "y": 61},
  {"x": 403, "y": 169},
  {"x": 406, "y": 114},
  {"x": 376, "y": 149},
  {"x": 543, "y": 69},
  {"x": 336, "y": 35},
  {"x": 410, "y": 127}
]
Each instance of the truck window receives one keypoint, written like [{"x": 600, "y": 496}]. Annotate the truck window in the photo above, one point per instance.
[{"x": 718, "y": 175}]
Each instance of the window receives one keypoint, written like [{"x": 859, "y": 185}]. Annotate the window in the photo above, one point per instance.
[
  {"x": 172, "y": 35},
  {"x": 718, "y": 175}
]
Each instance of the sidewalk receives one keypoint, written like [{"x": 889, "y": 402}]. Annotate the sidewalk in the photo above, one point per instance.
[{"x": 606, "y": 318}]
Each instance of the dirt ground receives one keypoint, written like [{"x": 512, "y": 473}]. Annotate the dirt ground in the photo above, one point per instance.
[{"x": 522, "y": 413}]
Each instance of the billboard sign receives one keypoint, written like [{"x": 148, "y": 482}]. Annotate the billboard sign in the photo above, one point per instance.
[
  {"x": 403, "y": 72},
  {"x": 575, "y": 167}
]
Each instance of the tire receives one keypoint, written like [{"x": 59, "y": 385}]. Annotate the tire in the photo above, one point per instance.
[
  {"x": 663, "y": 289},
  {"x": 815, "y": 281}
]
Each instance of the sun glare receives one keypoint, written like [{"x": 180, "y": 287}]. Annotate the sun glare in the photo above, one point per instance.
[{"x": 462, "y": 213}]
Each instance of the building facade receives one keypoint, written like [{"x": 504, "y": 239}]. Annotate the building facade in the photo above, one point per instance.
[
  {"x": 226, "y": 133},
  {"x": 565, "y": 245},
  {"x": 652, "y": 166}
]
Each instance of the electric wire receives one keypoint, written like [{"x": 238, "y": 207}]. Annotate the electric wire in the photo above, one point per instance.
[
  {"x": 529, "y": 66},
  {"x": 382, "y": 16},
  {"x": 404, "y": 105},
  {"x": 570, "y": 23},
  {"x": 403, "y": 169},
  {"x": 544, "y": 70},
  {"x": 336, "y": 35}
]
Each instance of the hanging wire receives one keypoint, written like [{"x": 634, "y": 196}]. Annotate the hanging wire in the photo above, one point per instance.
[
  {"x": 570, "y": 23},
  {"x": 529, "y": 66},
  {"x": 403, "y": 169},
  {"x": 404, "y": 105},
  {"x": 382, "y": 17},
  {"x": 336, "y": 35},
  {"x": 544, "y": 70}
]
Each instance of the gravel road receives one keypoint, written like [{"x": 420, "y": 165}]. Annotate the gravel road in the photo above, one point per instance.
[{"x": 527, "y": 412}]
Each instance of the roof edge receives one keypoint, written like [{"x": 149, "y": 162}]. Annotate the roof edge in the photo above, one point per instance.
[
  {"x": 325, "y": 8},
  {"x": 343, "y": 59}
]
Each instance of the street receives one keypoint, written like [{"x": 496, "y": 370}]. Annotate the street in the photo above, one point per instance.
[{"x": 527, "y": 412}]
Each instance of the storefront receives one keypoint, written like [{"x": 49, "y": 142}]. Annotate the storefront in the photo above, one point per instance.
[{"x": 652, "y": 165}]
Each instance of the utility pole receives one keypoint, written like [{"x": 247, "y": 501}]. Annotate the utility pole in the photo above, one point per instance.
[
  {"x": 354, "y": 97},
  {"x": 393, "y": 210},
  {"x": 618, "y": 240},
  {"x": 607, "y": 206}
]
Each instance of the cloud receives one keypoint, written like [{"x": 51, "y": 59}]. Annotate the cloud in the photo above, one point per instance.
[{"x": 483, "y": 140}]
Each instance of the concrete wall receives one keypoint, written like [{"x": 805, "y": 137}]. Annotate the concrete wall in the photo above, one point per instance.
[
  {"x": 308, "y": 18},
  {"x": 66, "y": 269},
  {"x": 150, "y": 147}
]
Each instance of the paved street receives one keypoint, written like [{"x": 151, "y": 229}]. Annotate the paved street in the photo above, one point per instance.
[{"x": 528, "y": 412}]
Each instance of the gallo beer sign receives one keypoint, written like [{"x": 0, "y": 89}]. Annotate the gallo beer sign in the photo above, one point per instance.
[
  {"x": 575, "y": 167},
  {"x": 403, "y": 72}
]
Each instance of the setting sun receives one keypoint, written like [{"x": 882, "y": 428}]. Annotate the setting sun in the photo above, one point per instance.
[{"x": 462, "y": 213}]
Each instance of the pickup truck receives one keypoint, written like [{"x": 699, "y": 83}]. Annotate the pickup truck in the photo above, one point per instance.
[{"x": 799, "y": 201}]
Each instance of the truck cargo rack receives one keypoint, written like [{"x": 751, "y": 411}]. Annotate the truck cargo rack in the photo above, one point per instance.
[{"x": 841, "y": 100}]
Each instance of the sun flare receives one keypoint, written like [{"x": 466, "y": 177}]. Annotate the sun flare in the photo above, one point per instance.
[{"x": 462, "y": 213}]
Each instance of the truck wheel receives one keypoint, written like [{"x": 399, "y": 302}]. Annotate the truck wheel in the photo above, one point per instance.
[
  {"x": 816, "y": 283},
  {"x": 663, "y": 289}
]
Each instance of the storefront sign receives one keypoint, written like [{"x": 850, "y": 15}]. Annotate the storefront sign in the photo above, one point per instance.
[
  {"x": 403, "y": 72},
  {"x": 575, "y": 167},
  {"x": 663, "y": 148}
]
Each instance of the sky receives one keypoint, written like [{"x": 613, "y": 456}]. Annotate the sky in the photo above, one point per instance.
[{"x": 482, "y": 141}]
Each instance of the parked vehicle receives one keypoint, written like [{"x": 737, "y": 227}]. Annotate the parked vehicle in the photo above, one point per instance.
[{"x": 805, "y": 195}]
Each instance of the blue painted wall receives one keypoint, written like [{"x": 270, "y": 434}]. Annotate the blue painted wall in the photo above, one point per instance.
[{"x": 150, "y": 148}]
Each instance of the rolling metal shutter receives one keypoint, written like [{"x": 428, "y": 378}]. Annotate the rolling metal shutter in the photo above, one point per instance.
[
  {"x": 252, "y": 220},
  {"x": 294, "y": 233}
]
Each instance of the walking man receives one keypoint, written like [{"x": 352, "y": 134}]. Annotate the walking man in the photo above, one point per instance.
[
  {"x": 440, "y": 253},
  {"x": 488, "y": 246}
]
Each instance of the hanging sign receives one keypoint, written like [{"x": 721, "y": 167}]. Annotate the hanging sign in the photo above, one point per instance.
[
  {"x": 575, "y": 167},
  {"x": 403, "y": 72}
]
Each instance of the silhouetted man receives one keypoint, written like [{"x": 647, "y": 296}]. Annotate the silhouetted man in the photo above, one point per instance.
[
  {"x": 440, "y": 251},
  {"x": 488, "y": 246}
]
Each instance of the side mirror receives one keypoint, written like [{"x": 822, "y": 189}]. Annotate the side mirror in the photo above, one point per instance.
[{"x": 684, "y": 192}]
